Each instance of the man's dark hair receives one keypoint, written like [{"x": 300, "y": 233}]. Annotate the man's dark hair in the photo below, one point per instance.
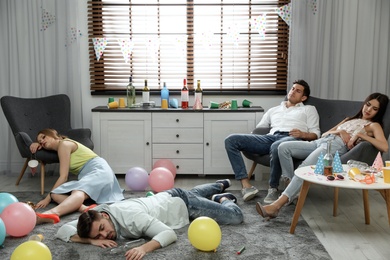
[
  {"x": 306, "y": 87},
  {"x": 84, "y": 224}
]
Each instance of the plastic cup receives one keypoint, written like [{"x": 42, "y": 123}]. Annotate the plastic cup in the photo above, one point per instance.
[
  {"x": 164, "y": 104},
  {"x": 33, "y": 164},
  {"x": 234, "y": 105},
  {"x": 113, "y": 104},
  {"x": 246, "y": 103},
  {"x": 110, "y": 99},
  {"x": 387, "y": 163},
  {"x": 214, "y": 104},
  {"x": 122, "y": 103},
  {"x": 386, "y": 174}
]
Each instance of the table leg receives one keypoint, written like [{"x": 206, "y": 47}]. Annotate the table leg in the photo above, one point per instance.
[
  {"x": 366, "y": 207},
  {"x": 335, "y": 201},
  {"x": 298, "y": 208},
  {"x": 386, "y": 196}
]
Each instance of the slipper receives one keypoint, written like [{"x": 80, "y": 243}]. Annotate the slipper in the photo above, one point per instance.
[
  {"x": 47, "y": 218},
  {"x": 90, "y": 207}
]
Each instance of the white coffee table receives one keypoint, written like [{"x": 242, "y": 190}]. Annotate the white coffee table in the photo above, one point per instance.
[{"x": 309, "y": 177}]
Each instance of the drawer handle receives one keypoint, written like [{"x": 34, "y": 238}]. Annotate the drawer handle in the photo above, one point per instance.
[
  {"x": 177, "y": 135},
  {"x": 147, "y": 143},
  {"x": 177, "y": 120},
  {"x": 207, "y": 144},
  {"x": 177, "y": 167},
  {"x": 177, "y": 151}
]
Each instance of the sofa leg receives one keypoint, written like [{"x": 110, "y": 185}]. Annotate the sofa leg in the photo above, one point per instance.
[
  {"x": 22, "y": 172},
  {"x": 254, "y": 164}
]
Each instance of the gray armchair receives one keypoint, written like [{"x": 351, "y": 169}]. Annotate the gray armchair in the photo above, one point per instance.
[
  {"x": 27, "y": 116},
  {"x": 331, "y": 112}
]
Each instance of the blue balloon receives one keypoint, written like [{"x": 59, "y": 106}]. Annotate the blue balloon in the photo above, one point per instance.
[
  {"x": 2, "y": 232},
  {"x": 6, "y": 199}
]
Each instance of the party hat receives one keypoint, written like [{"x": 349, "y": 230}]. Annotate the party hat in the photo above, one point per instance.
[
  {"x": 320, "y": 165},
  {"x": 337, "y": 166},
  {"x": 198, "y": 104},
  {"x": 378, "y": 162}
]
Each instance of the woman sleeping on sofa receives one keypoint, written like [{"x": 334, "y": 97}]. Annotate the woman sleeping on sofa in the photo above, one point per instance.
[
  {"x": 96, "y": 179},
  {"x": 366, "y": 125}
]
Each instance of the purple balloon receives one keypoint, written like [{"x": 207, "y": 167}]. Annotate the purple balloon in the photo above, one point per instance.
[{"x": 137, "y": 179}]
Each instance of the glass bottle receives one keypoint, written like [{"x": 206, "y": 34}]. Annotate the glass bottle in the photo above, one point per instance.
[
  {"x": 145, "y": 93},
  {"x": 128, "y": 246},
  {"x": 198, "y": 92},
  {"x": 184, "y": 95},
  {"x": 328, "y": 160},
  {"x": 130, "y": 93},
  {"x": 164, "y": 96},
  {"x": 37, "y": 237}
]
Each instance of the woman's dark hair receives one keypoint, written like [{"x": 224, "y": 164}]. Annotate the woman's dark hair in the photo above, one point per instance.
[
  {"x": 52, "y": 133},
  {"x": 306, "y": 87},
  {"x": 383, "y": 101},
  {"x": 84, "y": 224}
]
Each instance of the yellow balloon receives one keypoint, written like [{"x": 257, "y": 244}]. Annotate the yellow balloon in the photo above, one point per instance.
[
  {"x": 31, "y": 250},
  {"x": 204, "y": 234}
]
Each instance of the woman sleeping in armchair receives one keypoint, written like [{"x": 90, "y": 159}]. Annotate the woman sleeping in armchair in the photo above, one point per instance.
[{"x": 366, "y": 125}]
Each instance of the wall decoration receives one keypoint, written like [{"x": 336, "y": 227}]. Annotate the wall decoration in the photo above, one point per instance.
[
  {"x": 259, "y": 24},
  {"x": 47, "y": 19},
  {"x": 99, "y": 44},
  {"x": 127, "y": 47},
  {"x": 285, "y": 13}
]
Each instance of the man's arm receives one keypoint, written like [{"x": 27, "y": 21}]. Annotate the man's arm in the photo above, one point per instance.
[
  {"x": 104, "y": 243},
  {"x": 139, "y": 252}
]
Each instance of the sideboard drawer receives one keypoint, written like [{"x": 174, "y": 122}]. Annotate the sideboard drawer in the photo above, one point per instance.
[
  {"x": 177, "y": 120},
  {"x": 177, "y": 151},
  {"x": 178, "y": 135}
]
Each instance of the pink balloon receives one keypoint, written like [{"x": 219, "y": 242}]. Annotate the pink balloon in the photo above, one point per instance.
[
  {"x": 19, "y": 219},
  {"x": 166, "y": 164},
  {"x": 137, "y": 179},
  {"x": 161, "y": 179}
]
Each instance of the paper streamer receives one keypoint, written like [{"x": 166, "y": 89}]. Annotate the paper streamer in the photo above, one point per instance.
[
  {"x": 99, "y": 44},
  {"x": 259, "y": 24},
  {"x": 127, "y": 47},
  {"x": 285, "y": 13},
  {"x": 47, "y": 19}
]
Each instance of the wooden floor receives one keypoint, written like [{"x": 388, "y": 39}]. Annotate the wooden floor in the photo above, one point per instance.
[{"x": 345, "y": 236}]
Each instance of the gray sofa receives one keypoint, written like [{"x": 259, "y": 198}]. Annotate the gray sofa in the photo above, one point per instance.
[{"x": 331, "y": 112}]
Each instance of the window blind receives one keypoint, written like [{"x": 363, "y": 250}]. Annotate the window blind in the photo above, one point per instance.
[{"x": 228, "y": 45}]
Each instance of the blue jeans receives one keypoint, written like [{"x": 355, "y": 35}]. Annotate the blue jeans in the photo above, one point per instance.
[
  {"x": 257, "y": 144},
  {"x": 301, "y": 150},
  {"x": 199, "y": 204}
]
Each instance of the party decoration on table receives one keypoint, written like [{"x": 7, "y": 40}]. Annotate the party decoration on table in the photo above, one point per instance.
[
  {"x": 204, "y": 234},
  {"x": 225, "y": 105},
  {"x": 32, "y": 250},
  {"x": 173, "y": 103},
  {"x": 197, "y": 105},
  {"x": 47, "y": 19},
  {"x": 166, "y": 164},
  {"x": 126, "y": 48},
  {"x": 319, "y": 169},
  {"x": 285, "y": 13},
  {"x": 378, "y": 162},
  {"x": 6, "y": 199},
  {"x": 337, "y": 165},
  {"x": 161, "y": 179},
  {"x": 99, "y": 44},
  {"x": 137, "y": 179},
  {"x": 19, "y": 219}
]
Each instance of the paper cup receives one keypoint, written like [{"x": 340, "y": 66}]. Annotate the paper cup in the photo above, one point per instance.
[
  {"x": 234, "y": 105},
  {"x": 386, "y": 174},
  {"x": 122, "y": 103},
  {"x": 246, "y": 103},
  {"x": 214, "y": 104},
  {"x": 110, "y": 99},
  {"x": 113, "y": 104},
  {"x": 33, "y": 164},
  {"x": 387, "y": 163}
]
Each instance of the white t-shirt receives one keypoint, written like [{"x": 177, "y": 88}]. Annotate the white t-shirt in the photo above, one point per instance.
[{"x": 300, "y": 116}]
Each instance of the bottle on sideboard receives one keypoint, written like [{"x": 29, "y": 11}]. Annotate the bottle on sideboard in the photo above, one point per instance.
[
  {"x": 164, "y": 97},
  {"x": 145, "y": 93},
  {"x": 184, "y": 95},
  {"x": 130, "y": 93},
  {"x": 198, "y": 92}
]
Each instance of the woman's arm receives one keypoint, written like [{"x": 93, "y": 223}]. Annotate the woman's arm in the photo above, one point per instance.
[
  {"x": 374, "y": 134},
  {"x": 333, "y": 130}
]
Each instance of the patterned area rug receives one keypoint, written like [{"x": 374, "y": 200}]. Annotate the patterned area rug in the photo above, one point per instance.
[{"x": 262, "y": 239}]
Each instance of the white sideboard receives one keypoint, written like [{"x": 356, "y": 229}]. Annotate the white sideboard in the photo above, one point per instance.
[{"x": 193, "y": 140}]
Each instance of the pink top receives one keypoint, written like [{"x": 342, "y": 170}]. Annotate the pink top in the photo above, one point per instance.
[{"x": 354, "y": 126}]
